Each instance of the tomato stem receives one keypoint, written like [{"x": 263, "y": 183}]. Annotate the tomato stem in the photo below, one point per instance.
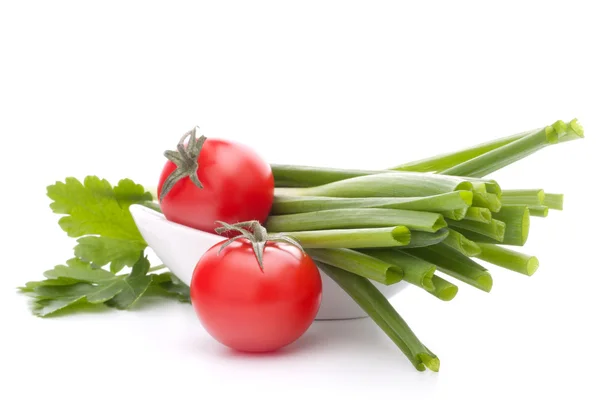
[
  {"x": 256, "y": 234},
  {"x": 186, "y": 160}
]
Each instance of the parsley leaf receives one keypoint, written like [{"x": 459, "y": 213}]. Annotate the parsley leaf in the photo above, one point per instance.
[
  {"x": 100, "y": 212},
  {"x": 98, "y": 215},
  {"x": 133, "y": 286},
  {"x": 171, "y": 285},
  {"x": 103, "y": 250},
  {"x": 32, "y": 285},
  {"x": 127, "y": 193},
  {"x": 43, "y": 308},
  {"x": 93, "y": 207},
  {"x": 80, "y": 283},
  {"x": 78, "y": 270}
]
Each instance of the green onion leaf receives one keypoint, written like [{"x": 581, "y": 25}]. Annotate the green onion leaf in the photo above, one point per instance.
[
  {"x": 572, "y": 131},
  {"x": 356, "y": 218},
  {"x": 389, "y": 184},
  {"x": 385, "y": 316},
  {"x": 538, "y": 211},
  {"x": 495, "y": 229},
  {"x": 353, "y": 238},
  {"x": 479, "y": 214},
  {"x": 516, "y": 227},
  {"x": 359, "y": 263},
  {"x": 503, "y": 156},
  {"x": 491, "y": 186},
  {"x": 509, "y": 259},
  {"x": 516, "y": 219},
  {"x": 529, "y": 197},
  {"x": 307, "y": 176},
  {"x": 446, "y": 161},
  {"x": 458, "y": 200},
  {"x": 424, "y": 239},
  {"x": 443, "y": 289},
  {"x": 416, "y": 271},
  {"x": 459, "y": 242},
  {"x": 487, "y": 200},
  {"x": 458, "y": 214},
  {"x": 553, "y": 201},
  {"x": 455, "y": 264}
]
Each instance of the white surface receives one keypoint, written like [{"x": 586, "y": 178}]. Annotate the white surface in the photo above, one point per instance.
[
  {"x": 105, "y": 88},
  {"x": 180, "y": 247}
]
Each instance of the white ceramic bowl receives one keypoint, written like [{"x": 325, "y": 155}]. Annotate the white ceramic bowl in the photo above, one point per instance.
[{"x": 180, "y": 247}]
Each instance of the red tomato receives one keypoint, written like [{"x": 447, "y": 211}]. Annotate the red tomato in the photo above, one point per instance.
[
  {"x": 237, "y": 185},
  {"x": 254, "y": 310}
]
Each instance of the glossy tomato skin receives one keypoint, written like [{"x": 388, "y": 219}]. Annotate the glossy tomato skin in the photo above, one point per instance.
[
  {"x": 252, "y": 310},
  {"x": 237, "y": 186}
]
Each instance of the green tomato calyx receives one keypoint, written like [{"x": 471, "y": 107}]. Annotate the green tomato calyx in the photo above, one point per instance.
[
  {"x": 186, "y": 160},
  {"x": 256, "y": 234}
]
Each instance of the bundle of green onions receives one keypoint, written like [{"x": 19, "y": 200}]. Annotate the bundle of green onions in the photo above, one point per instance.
[{"x": 407, "y": 222}]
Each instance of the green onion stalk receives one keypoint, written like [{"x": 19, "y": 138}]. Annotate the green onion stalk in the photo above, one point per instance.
[
  {"x": 410, "y": 221},
  {"x": 385, "y": 316}
]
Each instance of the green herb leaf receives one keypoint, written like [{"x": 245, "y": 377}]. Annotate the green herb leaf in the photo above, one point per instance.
[
  {"x": 80, "y": 271},
  {"x": 52, "y": 298},
  {"x": 95, "y": 208},
  {"x": 133, "y": 286},
  {"x": 128, "y": 192},
  {"x": 63, "y": 291},
  {"x": 80, "y": 283},
  {"x": 100, "y": 212},
  {"x": 43, "y": 308},
  {"x": 103, "y": 250},
  {"x": 171, "y": 285},
  {"x": 32, "y": 285}
]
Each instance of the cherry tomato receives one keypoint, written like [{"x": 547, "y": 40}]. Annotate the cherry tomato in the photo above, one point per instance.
[
  {"x": 252, "y": 309},
  {"x": 237, "y": 185}
]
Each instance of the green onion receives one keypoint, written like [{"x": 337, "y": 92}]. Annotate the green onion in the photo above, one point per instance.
[
  {"x": 516, "y": 219},
  {"x": 385, "y": 316},
  {"x": 390, "y": 184},
  {"x": 529, "y": 197},
  {"x": 307, "y": 176},
  {"x": 509, "y": 259},
  {"x": 457, "y": 214},
  {"x": 353, "y": 238},
  {"x": 475, "y": 237},
  {"x": 452, "y": 201},
  {"x": 455, "y": 264},
  {"x": 478, "y": 214},
  {"x": 491, "y": 186},
  {"x": 446, "y": 161},
  {"x": 424, "y": 239},
  {"x": 444, "y": 290},
  {"x": 478, "y": 185},
  {"x": 416, "y": 271},
  {"x": 538, "y": 211},
  {"x": 572, "y": 131},
  {"x": 359, "y": 263},
  {"x": 356, "y": 218},
  {"x": 459, "y": 242},
  {"x": 487, "y": 200},
  {"x": 498, "y": 158},
  {"x": 553, "y": 201},
  {"x": 452, "y": 215},
  {"x": 495, "y": 229},
  {"x": 516, "y": 227}
]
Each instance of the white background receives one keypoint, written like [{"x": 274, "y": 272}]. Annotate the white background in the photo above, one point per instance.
[{"x": 104, "y": 87}]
